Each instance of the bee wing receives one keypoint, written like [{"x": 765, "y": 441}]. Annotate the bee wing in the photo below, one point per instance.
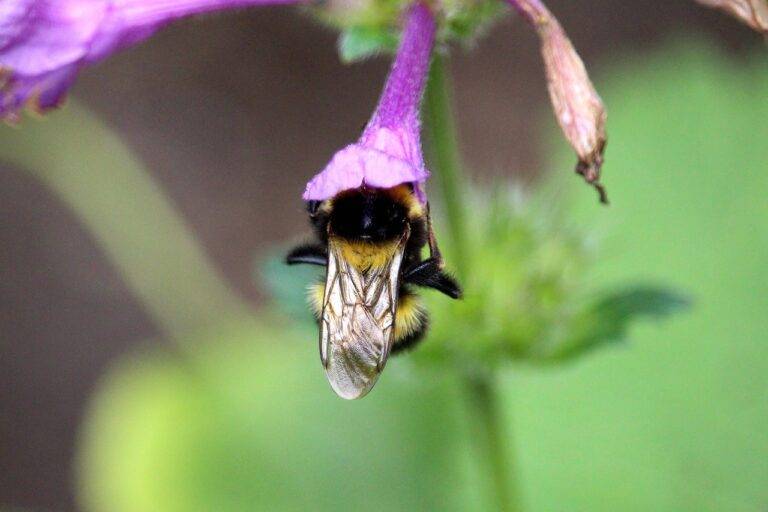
[{"x": 358, "y": 321}]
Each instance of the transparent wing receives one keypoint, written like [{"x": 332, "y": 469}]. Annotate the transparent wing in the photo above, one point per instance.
[{"x": 357, "y": 323}]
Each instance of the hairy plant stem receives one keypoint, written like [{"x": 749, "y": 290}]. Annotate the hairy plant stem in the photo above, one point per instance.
[
  {"x": 493, "y": 443},
  {"x": 445, "y": 160}
]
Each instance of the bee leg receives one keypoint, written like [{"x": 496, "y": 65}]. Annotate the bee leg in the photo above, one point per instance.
[
  {"x": 311, "y": 254},
  {"x": 434, "y": 250},
  {"x": 428, "y": 273}
]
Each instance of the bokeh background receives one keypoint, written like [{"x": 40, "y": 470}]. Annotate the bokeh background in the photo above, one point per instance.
[{"x": 204, "y": 136}]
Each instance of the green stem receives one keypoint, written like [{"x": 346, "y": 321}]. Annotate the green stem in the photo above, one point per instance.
[
  {"x": 91, "y": 170},
  {"x": 493, "y": 442},
  {"x": 445, "y": 159}
]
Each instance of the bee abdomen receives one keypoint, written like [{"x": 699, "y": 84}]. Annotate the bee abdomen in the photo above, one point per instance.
[{"x": 411, "y": 321}]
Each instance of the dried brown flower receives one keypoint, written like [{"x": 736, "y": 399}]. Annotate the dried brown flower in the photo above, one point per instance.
[
  {"x": 578, "y": 108},
  {"x": 752, "y": 12}
]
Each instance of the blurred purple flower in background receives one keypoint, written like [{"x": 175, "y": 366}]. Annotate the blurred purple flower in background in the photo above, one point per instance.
[
  {"x": 389, "y": 151},
  {"x": 44, "y": 43}
]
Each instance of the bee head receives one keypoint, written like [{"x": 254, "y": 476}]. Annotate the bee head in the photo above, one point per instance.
[{"x": 369, "y": 215}]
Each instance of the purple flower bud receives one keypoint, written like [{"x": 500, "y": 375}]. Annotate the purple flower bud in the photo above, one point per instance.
[
  {"x": 389, "y": 151},
  {"x": 578, "y": 108},
  {"x": 44, "y": 43},
  {"x": 752, "y": 12}
]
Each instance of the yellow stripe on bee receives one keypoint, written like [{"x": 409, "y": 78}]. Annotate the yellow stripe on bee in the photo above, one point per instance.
[
  {"x": 365, "y": 255},
  {"x": 409, "y": 316},
  {"x": 315, "y": 296},
  {"x": 403, "y": 195}
]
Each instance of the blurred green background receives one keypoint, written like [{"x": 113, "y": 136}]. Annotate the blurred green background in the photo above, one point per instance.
[{"x": 229, "y": 409}]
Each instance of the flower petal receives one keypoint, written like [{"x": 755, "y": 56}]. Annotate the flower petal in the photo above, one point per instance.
[
  {"x": 357, "y": 165},
  {"x": 43, "y": 43}
]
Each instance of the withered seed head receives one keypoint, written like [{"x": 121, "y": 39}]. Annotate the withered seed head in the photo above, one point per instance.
[
  {"x": 752, "y": 12},
  {"x": 578, "y": 108}
]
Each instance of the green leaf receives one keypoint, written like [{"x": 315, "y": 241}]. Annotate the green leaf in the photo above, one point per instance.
[
  {"x": 609, "y": 317},
  {"x": 287, "y": 284},
  {"x": 641, "y": 301},
  {"x": 469, "y": 20},
  {"x": 359, "y": 43}
]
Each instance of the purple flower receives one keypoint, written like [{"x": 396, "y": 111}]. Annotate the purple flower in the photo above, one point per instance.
[
  {"x": 44, "y": 43},
  {"x": 389, "y": 151}
]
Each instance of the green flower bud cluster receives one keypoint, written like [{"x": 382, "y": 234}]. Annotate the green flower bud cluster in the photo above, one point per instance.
[
  {"x": 527, "y": 293},
  {"x": 369, "y": 27},
  {"x": 525, "y": 273}
]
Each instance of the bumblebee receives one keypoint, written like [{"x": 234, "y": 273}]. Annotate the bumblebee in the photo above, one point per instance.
[{"x": 370, "y": 240}]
